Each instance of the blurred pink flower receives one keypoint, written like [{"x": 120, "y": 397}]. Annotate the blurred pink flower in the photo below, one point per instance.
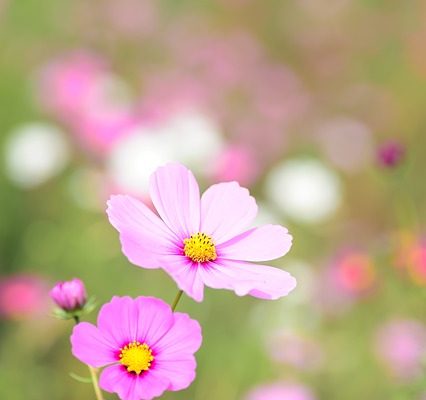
[
  {"x": 353, "y": 273},
  {"x": 390, "y": 154},
  {"x": 81, "y": 92},
  {"x": 67, "y": 83},
  {"x": 22, "y": 296},
  {"x": 145, "y": 347},
  {"x": 346, "y": 142},
  {"x": 167, "y": 93},
  {"x": 131, "y": 18},
  {"x": 256, "y": 100},
  {"x": 294, "y": 349},
  {"x": 281, "y": 391},
  {"x": 69, "y": 295},
  {"x": 236, "y": 163},
  {"x": 350, "y": 277},
  {"x": 214, "y": 58},
  {"x": 202, "y": 242},
  {"x": 101, "y": 127},
  {"x": 401, "y": 346}
]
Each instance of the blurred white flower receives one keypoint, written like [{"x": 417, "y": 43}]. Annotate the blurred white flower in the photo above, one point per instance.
[
  {"x": 34, "y": 153},
  {"x": 189, "y": 138},
  {"x": 196, "y": 140},
  {"x": 304, "y": 190}
]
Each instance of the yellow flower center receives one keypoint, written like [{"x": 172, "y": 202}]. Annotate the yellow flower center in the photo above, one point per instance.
[
  {"x": 199, "y": 247},
  {"x": 136, "y": 357}
]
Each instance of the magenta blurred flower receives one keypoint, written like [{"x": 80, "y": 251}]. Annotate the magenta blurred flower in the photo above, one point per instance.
[
  {"x": 401, "y": 346},
  {"x": 69, "y": 295},
  {"x": 281, "y": 391},
  {"x": 146, "y": 347},
  {"x": 202, "y": 242},
  {"x": 22, "y": 296},
  {"x": 390, "y": 154}
]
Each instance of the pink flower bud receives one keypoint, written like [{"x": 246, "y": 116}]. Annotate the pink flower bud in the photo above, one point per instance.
[
  {"x": 390, "y": 154},
  {"x": 69, "y": 295}
]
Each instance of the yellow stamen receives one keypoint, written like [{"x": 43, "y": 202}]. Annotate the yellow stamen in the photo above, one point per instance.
[
  {"x": 136, "y": 357},
  {"x": 200, "y": 248}
]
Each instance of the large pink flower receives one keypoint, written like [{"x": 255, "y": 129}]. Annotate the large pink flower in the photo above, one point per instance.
[
  {"x": 202, "y": 242},
  {"x": 148, "y": 349}
]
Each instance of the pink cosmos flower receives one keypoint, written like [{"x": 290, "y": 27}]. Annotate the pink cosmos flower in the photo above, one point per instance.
[
  {"x": 69, "y": 295},
  {"x": 202, "y": 242},
  {"x": 146, "y": 347}
]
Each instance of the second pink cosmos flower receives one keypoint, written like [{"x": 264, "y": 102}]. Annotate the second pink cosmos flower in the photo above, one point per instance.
[{"x": 202, "y": 242}]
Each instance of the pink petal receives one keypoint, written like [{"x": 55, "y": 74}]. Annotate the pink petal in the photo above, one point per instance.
[
  {"x": 182, "y": 340},
  {"x": 115, "y": 379},
  {"x": 226, "y": 210},
  {"x": 118, "y": 320},
  {"x": 176, "y": 196},
  {"x": 185, "y": 273},
  {"x": 154, "y": 319},
  {"x": 180, "y": 373},
  {"x": 142, "y": 234},
  {"x": 91, "y": 347},
  {"x": 259, "y": 244},
  {"x": 145, "y": 319},
  {"x": 245, "y": 278},
  {"x": 152, "y": 384},
  {"x": 175, "y": 351}
]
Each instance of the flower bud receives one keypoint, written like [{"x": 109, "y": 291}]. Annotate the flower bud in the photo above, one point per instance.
[
  {"x": 390, "y": 154},
  {"x": 69, "y": 295}
]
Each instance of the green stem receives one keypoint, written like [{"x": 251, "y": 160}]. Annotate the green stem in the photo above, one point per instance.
[
  {"x": 93, "y": 374},
  {"x": 176, "y": 300},
  {"x": 94, "y": 377}
]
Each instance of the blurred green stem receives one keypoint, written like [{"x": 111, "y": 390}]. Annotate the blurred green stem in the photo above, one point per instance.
[
  {"x": 94, "y": 376},
  {"x": 176, "y": 300},
  {"x": 93, "y": 373}
]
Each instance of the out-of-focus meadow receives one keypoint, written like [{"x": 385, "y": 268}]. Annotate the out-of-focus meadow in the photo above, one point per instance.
[{"x": 317, "y": 106}]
